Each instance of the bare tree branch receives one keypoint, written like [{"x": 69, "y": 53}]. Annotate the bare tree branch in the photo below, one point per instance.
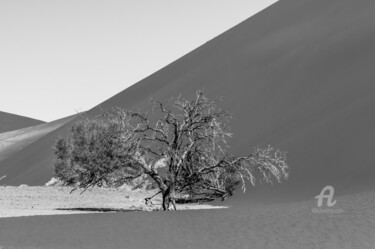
[{"x": 189, "y": 136}]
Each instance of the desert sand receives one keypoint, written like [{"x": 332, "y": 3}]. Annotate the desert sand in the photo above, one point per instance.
[
  {"x": 31, "y": 201},
  {"x": 288, "y": 225}
]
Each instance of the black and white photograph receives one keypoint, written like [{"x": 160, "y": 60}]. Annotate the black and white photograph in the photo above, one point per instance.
[{"x": 246, "y": 124}]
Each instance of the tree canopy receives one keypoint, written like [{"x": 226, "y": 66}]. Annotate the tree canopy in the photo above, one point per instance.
[{"x": 189, "y": 137}]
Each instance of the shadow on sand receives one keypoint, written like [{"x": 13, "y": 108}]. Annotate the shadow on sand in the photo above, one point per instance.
[{"x": 104, "y": 210}]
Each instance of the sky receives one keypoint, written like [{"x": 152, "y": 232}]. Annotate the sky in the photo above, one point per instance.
[{"x": 60, "y": 57}]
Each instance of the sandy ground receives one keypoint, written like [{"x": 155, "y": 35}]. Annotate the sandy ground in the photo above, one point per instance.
[
  {"x": 29, "y": 201},
  {"x": 287, "y": 225}
]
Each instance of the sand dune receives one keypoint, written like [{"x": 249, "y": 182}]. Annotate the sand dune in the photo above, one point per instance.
[
  {"x": 11, "y": 122},
  {"x": 298, "y": 75},
  {"x": 19, "y": 149},
  {"x": 13, "y": 141}
]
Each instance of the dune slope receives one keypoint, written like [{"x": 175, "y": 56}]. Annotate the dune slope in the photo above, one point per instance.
[
  {"x": 11, "y": 122},
  {"x": 13, "y": 141},
  {"x": 298, "y": 75},
  {"x": 25, "y": 154}
]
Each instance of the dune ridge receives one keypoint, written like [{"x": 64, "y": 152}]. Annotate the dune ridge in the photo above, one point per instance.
[
  {"x": 13, "y": 141},
  {"x": 22, "y": 147},
  {"x": 11, "y": 122}
]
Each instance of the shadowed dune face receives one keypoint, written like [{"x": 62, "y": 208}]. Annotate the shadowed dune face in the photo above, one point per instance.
[
  {"x": 298, "y": 75},
  {"x": 25, "y": 154},
  {"x": 11, "y": 122},
  {"x": 13, "y": 141}
]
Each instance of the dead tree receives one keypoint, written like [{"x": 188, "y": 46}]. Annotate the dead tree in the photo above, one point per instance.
[{"x": 190, "y": 136}]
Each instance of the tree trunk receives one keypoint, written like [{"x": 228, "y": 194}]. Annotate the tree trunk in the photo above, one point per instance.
[
  {"x": 166, "y": 200},
  {"x": 169, "y": 202}
]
